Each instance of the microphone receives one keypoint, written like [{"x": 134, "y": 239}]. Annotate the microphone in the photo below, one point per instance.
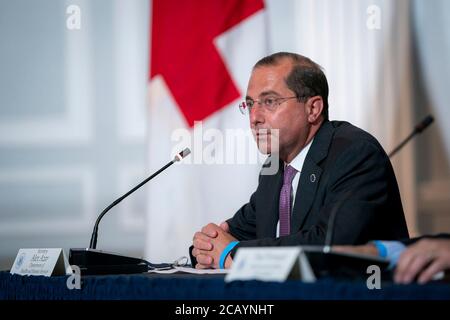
[
  {"x": 178, "y": 157},
  {"x": 421, "y": 126},
  {"x": 92, "y": 261}
]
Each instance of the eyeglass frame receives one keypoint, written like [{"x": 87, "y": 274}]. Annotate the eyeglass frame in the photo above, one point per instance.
[{"x": 243, "y": 106}]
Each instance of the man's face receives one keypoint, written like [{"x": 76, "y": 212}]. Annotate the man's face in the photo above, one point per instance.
[{"x": 289, "y": 117}]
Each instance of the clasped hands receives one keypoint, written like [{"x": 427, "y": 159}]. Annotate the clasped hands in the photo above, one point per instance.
[{"x": 209, "y": 244}]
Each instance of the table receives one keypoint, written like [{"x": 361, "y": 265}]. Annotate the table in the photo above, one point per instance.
[{"x": 206, "y": 287}]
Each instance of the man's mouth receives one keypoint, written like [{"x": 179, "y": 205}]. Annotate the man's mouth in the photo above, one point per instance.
[{"x": 262, "y": 132}]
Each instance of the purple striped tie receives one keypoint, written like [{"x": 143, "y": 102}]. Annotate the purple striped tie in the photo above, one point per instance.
[{"x": 285, "y": 201}]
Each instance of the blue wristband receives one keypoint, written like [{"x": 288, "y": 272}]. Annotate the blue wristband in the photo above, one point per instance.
[
  {"x": 382, "y": 251},
  {"x": 390, "y": 250},
  {"x": 225, "y": 253}
]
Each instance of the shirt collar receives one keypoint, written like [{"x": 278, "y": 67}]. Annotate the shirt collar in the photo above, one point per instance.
[{"x": 297, "y": 162}]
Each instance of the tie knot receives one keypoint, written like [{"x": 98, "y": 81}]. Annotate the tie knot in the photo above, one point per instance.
[{"x": 289, "y": 173}]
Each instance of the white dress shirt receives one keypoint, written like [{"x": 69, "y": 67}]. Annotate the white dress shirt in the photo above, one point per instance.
[{"x": 297, "y": 164}]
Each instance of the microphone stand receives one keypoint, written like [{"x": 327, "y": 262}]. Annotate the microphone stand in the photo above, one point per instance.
[
  {"x": 417, "y": 129},
  {"x": 93, "y": 243},
  {"x": 92, "y": 261}
]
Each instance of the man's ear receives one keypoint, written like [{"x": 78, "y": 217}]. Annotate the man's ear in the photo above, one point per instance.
[{"x": 314, "y": 107}]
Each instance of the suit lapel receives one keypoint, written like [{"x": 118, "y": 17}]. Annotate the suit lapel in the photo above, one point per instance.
[
  {"x": 267, "y": 215},
  {"x": 310, "y": 175},
  {"x": 306, "y": 191}
]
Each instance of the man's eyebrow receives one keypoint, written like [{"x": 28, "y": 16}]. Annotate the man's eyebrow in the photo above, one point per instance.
[
  {"x": 264, "y": 94},
  {"x": 268, "y": 93}
]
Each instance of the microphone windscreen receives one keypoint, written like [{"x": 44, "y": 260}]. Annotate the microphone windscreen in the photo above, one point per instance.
[
  {"x": 424, "y": 123},
  {"x": 185, "y": 152},
  {"x": 179, "y": 156}
]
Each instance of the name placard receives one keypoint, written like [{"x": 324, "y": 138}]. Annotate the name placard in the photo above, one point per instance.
[
  {"x": 41, "y": 262},
  {"x": 265, "y": 264}
]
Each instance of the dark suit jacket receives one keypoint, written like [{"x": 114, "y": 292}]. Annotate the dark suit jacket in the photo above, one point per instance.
[{"x": 346, "y": 162}]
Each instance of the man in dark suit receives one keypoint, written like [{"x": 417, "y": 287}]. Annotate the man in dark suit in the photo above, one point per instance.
[{"x": 324, "y": 165}]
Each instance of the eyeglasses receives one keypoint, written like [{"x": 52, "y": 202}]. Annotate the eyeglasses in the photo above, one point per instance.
[{"x": 268, "y": 103}]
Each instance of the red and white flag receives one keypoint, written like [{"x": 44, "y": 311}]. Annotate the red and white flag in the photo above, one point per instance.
[{"x": 201, "y": 57}]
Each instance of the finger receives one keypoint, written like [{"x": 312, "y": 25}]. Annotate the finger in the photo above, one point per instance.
[
  {"x": 204, "y": 259},
  {"x": 415, "y": 267},
  {"x": 202, "y": 245},
  {"x": 402, "y": 264},
  {"x": 195, "y": 252},
  {"x": 210, "y": 230},
  {"x": 202, "y": 266},
  {"x": 433, "y": 268},
  {"x": 402, "y": 267},
  {"x": 225, "y": 227},
  {"x": 201, "y": 236}
]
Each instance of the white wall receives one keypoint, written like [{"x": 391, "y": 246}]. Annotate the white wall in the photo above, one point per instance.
[
  {"x": 72, "y": 124},
  {"x": 73, "y": 107}
]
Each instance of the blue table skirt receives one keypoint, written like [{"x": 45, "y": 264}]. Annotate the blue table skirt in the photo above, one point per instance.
[{"x": 194, "y": 287}]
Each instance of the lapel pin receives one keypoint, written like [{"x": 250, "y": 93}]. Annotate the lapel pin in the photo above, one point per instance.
[{"x": 312, "y": 178}]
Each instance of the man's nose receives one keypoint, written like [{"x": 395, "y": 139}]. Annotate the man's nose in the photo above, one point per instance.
[{"x": 256, "y": 115}]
